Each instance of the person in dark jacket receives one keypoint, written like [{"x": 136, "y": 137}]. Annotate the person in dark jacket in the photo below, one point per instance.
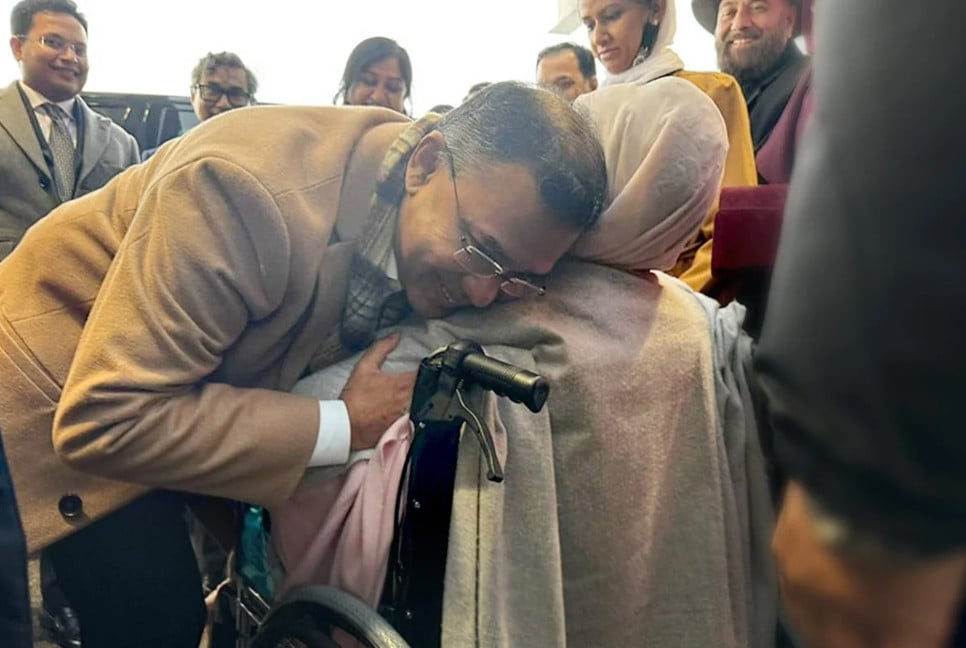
[
  {"x": 755, "y": 44},
  {"x": 53, "y": 147},
  {"x": 862, "y": 358}
]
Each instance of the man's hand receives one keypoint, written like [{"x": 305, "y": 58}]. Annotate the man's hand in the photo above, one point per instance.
[
  {"x": 375, "y": 399},
  {"x": 834, "y": 600}
]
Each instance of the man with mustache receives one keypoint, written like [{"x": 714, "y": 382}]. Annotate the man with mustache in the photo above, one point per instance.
[
  {"x": 53, "y": 148},
  {"x": 755, "y": 44},
  {"x": 219, "y": 83}
]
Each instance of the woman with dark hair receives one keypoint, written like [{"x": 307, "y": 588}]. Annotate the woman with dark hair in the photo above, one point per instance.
[{"x": 378, "y": 73}]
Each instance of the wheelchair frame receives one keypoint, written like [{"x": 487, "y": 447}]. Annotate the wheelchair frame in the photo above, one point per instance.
[{"x": 411, "y": 608}]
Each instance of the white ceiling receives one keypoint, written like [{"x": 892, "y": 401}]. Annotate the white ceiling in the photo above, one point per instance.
[{"x": 298, "y": 49}]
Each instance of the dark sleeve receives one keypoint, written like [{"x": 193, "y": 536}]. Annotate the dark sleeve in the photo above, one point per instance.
[{"x": 861, "y": 356}]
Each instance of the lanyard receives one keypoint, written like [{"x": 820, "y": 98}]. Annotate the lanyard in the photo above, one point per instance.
[{"x": 45, "y": 145}]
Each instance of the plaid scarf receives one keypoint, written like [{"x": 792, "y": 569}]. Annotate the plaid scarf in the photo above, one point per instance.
[{"x": 373, "y": 300}]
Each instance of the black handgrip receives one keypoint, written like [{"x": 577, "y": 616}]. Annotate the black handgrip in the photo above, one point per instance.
[{"x": 519, "y": 385}]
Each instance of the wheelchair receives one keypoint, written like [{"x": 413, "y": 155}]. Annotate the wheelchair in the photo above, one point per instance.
[{"x": 411, "y": 608}]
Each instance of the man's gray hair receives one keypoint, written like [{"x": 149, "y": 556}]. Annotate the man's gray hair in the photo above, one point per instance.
[
  {"x": 210, "y": 62},
  {"x": 515, "y": 123}
]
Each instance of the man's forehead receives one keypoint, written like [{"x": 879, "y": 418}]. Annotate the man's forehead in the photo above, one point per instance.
[
  {"x": 226, "y": 73},
  {"x": 58, "y": 23},
  {"x": 514, "y": 223},
  {"x": 785, "y": 4},
  {"x": 558, "y": 63}
]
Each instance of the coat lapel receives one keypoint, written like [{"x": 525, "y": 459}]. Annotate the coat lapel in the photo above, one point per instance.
[
  {"x": 97, "y": 135},
  {"x": 15, "y": 120}
]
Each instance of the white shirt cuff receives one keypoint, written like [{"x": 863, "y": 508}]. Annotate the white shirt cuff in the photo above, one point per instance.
[{"x": 335, "y": 433}]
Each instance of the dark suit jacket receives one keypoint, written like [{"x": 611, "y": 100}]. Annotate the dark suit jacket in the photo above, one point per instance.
[
  {"x": 27, "y": 190},
  {"x": 767, "y": 97}
]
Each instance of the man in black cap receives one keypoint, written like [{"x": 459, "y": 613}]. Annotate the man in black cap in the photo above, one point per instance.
[{"x": 755, "y": 44}]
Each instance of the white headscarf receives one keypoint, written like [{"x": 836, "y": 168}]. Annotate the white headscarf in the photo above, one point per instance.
[
  {"x": 660, "y": 61},
  {"x": 665, "y": 144}
]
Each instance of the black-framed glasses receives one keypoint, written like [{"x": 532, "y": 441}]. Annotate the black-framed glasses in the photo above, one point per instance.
[
  {"x": 57, "y": 44},
  {"x": 212, "y": 93},
  {"x": 476, "y": 261}
]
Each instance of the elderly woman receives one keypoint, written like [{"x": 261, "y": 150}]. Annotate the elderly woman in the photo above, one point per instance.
[
  {"x": 634, "y": 507},
  {"x": 378, "y": 73},
  {"x": 632, "y": 40}
]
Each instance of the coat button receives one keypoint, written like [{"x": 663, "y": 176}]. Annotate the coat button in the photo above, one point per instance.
[
  {"x": 44, "y": 182},
  {"x": 70, "y": 506}
]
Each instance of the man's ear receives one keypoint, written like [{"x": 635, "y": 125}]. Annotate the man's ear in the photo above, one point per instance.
[
  {"x": 593, "y": 83},
  {"x": 425, "y": 161},
  {"x": 16, "y": 46},
  {"x": 791, "y": 21}
]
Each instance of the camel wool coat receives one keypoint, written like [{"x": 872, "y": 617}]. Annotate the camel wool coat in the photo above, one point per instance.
[{"x": 150, "y": 331}]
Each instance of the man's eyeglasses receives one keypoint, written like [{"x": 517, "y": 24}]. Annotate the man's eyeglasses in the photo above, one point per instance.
[
  {"x": 212, "y": 92},
  {"x": 478, "y": 263},
  {"x": 59, "y": 45}
]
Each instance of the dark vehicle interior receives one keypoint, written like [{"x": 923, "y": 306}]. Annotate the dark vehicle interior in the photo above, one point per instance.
[{"x": 151, "y": 119}]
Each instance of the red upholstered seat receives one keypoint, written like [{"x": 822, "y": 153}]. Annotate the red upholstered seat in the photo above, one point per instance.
[{"x": 747, "y": 228}]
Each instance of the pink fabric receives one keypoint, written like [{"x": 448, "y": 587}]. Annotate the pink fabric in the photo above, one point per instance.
[{"x": 337, "y": 532}]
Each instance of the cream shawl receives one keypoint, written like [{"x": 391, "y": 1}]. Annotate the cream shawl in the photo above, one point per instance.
[
  {"x": 635, "y": 510},
  {"x": 665, "y": 144}
]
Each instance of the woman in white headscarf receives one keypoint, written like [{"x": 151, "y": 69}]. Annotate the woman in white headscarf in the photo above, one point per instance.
[
  {"x": 632, "y": 39},
  {"x": 634, "y": 507}
]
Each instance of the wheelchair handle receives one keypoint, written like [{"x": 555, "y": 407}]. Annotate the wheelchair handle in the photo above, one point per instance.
[
  {"x": 438, "y": 397},
  {"x": 519, "y": 385}
]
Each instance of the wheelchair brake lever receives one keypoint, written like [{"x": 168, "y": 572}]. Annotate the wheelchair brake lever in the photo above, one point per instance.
[{"x": 494, "y": 470}]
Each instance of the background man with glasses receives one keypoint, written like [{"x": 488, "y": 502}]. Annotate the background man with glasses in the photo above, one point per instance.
[
  {"x": 52, "y": 148},
  {"x": 219, "y": 83}
]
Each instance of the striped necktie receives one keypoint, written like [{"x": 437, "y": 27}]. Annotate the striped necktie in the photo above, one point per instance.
[{"x": 63, "y": 150}]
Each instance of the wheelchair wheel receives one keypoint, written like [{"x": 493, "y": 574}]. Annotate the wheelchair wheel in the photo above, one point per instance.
[
  {"x": 313, "y": 617},
  {"x": 302, "y": 638}
]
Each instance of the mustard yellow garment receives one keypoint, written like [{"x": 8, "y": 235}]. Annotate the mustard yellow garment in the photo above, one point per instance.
[{"x": 694, "y": 265}]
